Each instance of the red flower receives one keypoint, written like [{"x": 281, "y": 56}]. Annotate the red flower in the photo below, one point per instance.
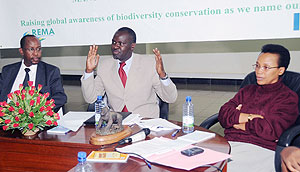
[
  {"x": 21, "y": 86},
  {"x": 31, "y": 92},
  {"x": 42, "y": 109},
  {"x": 10, "y": 96},
  {"x": 48, "y": 108},
  {"x": 30, "y": 83},
  {"x": 1, "y": 108},
  {"x": 55, "y": 123},
  {"x": 5, "y": 127},
  {"x": 23, "y": 91},
  {"x": 31, "y": 114},
  {"x": 7, "y": 121},
  {"x": 21, "y": 111},
  {"x": 47, "y": 102},
  {"x": 50, "y": 113},
  {"x": 15, "y": 125},
  {"x": 17, "y": 118},
  {"x": 33, "y": 88},
  {"x": 46, "y": 95},
  {"x": 11, "y": 108},
  {"x": 49, "y": 122},
  {"x": 1, "y": 113},
  {"x": 5, "y": 104},
  {"x": 17, "y": 104},
  {"x": 17, "y": 92},
  {"x": 56, "y": 116},
  {"x": 23, "y": 96},
  {"x": 38, "y": 100},
  {"x": 39, "y": 87},
  {"x": 30, "y": 126},
  {"x": 31, "y": 103}
]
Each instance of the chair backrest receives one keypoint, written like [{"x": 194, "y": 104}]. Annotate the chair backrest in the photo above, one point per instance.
[
  {"x": 163, "y": 109},
  {"x": 289, "y": 78}
]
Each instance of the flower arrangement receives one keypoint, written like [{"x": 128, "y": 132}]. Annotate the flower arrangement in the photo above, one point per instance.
[{"x": 27, "y": 110}]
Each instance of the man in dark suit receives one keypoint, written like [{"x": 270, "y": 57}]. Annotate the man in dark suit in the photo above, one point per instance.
[{"x": 39, "y": 72}]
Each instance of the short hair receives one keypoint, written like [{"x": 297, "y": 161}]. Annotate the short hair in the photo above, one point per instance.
[
  {"x": 23, "y": 40},
  {"x": 129, "y": 31},
  {"x": 284, "y": 54}
]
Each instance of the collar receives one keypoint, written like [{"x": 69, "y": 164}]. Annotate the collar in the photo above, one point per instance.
[
  {"x": 32, "y": 68},
  {"x": 271, "y": 87}
]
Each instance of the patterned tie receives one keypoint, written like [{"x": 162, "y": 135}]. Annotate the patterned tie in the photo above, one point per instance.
[
  {"x": 123, "y": 77},
  {"x": 26, "y": 79}
]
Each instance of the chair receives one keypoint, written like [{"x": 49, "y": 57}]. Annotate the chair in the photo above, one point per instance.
[
  {"x": 163, "y": 109},
  {"x": 290, "y": 137}
]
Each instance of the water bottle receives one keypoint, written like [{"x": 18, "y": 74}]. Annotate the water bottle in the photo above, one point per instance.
[
  {"x": 188, "y": 116},
  {"x": 99, "y": 104},
  {"x": 82, "y": 165}
]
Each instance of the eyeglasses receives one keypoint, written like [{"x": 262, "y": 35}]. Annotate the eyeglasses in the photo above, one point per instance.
[
  {"x": 121, "y": 44},
  {"x": 31, "y": 50},
  {"x": 264, "y": 68}
]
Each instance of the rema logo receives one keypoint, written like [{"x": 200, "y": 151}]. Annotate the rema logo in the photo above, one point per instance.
[
  {"x": 296, "y": 21},
  {"x": 28, "y": 33}
]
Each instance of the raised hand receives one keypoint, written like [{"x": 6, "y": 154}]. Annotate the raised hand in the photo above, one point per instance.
[
  {"x": 159, "y": 63},
  {"x": 92, "y": 59}
]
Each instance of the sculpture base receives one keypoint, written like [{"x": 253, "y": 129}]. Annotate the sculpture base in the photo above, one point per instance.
[{"x": 96, "y": 139}]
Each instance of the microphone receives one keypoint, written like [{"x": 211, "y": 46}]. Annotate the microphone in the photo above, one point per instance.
[{"x": 141, "y": 135}]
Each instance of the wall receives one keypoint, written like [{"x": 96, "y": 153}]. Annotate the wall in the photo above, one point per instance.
[{"x": 222, "y": 59}]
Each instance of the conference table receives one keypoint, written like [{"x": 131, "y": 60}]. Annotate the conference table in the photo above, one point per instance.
[{"x": 48, "y": 152}]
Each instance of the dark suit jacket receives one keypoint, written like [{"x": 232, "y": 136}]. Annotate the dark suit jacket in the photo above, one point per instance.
[{"x": 47, "y": 75}]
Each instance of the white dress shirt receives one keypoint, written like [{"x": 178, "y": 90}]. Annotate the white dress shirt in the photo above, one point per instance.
[{"x": 21, "y": 76}]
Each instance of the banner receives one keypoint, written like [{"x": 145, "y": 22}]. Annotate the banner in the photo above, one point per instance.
[{"x": 86, "y": 22}]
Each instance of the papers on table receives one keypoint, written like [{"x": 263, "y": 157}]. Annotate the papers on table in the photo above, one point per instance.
[
  {"x": 197, "y": 136},
  {"x": 160, "y": 145},
  {"x": 74, "y": 120},
  {"x": 132, "y": 119},
  {"x": 166, "y": 151},
  {"x": 176, "y": 160},
  {"x": 157, "y": 124}
]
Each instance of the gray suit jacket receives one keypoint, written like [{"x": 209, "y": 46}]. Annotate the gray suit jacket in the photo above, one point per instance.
[{"x": 139, "y": 94}]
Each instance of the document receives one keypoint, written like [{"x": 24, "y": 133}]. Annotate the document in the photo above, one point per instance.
[
  {"x": 176, "y": 160},
  {"x": 157, "y": 124},
  {"x": 166, "y": 152},
  {"x": 197, "y": 136},
  {"x": 74, "y": 120}
]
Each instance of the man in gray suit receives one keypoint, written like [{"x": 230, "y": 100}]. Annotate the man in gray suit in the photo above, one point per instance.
[{"x": 130, "y": 81}]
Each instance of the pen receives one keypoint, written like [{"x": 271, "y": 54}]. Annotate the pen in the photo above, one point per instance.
[{"x": 175, "y": 132}]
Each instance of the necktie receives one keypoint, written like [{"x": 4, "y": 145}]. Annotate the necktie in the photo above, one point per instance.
[
  {"x": 26, "y": 79},
  {"x": 122, "y": 73},
  {"x": 123, "y": 77}
]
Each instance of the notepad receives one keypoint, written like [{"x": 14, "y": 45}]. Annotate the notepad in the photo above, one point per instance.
[
  {"x": 58, "y": 130},
  {"x": 103, "y": 156}
]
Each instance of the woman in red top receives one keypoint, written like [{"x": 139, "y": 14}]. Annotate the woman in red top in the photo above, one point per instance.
[{"x": 257, "y": 115}]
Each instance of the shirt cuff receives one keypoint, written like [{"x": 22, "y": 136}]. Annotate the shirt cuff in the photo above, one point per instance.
[
  {"x": 166, "y": 82},
  {"x": 87, "y": 75}
]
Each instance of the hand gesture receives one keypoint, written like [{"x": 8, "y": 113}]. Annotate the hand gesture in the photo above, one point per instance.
[
  {"x": 92, "y": 59},
  {"x": 159, "y": 63}
]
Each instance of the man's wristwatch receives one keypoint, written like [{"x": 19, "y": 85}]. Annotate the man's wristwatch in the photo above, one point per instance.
[{"x": 165, "y": 78}]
